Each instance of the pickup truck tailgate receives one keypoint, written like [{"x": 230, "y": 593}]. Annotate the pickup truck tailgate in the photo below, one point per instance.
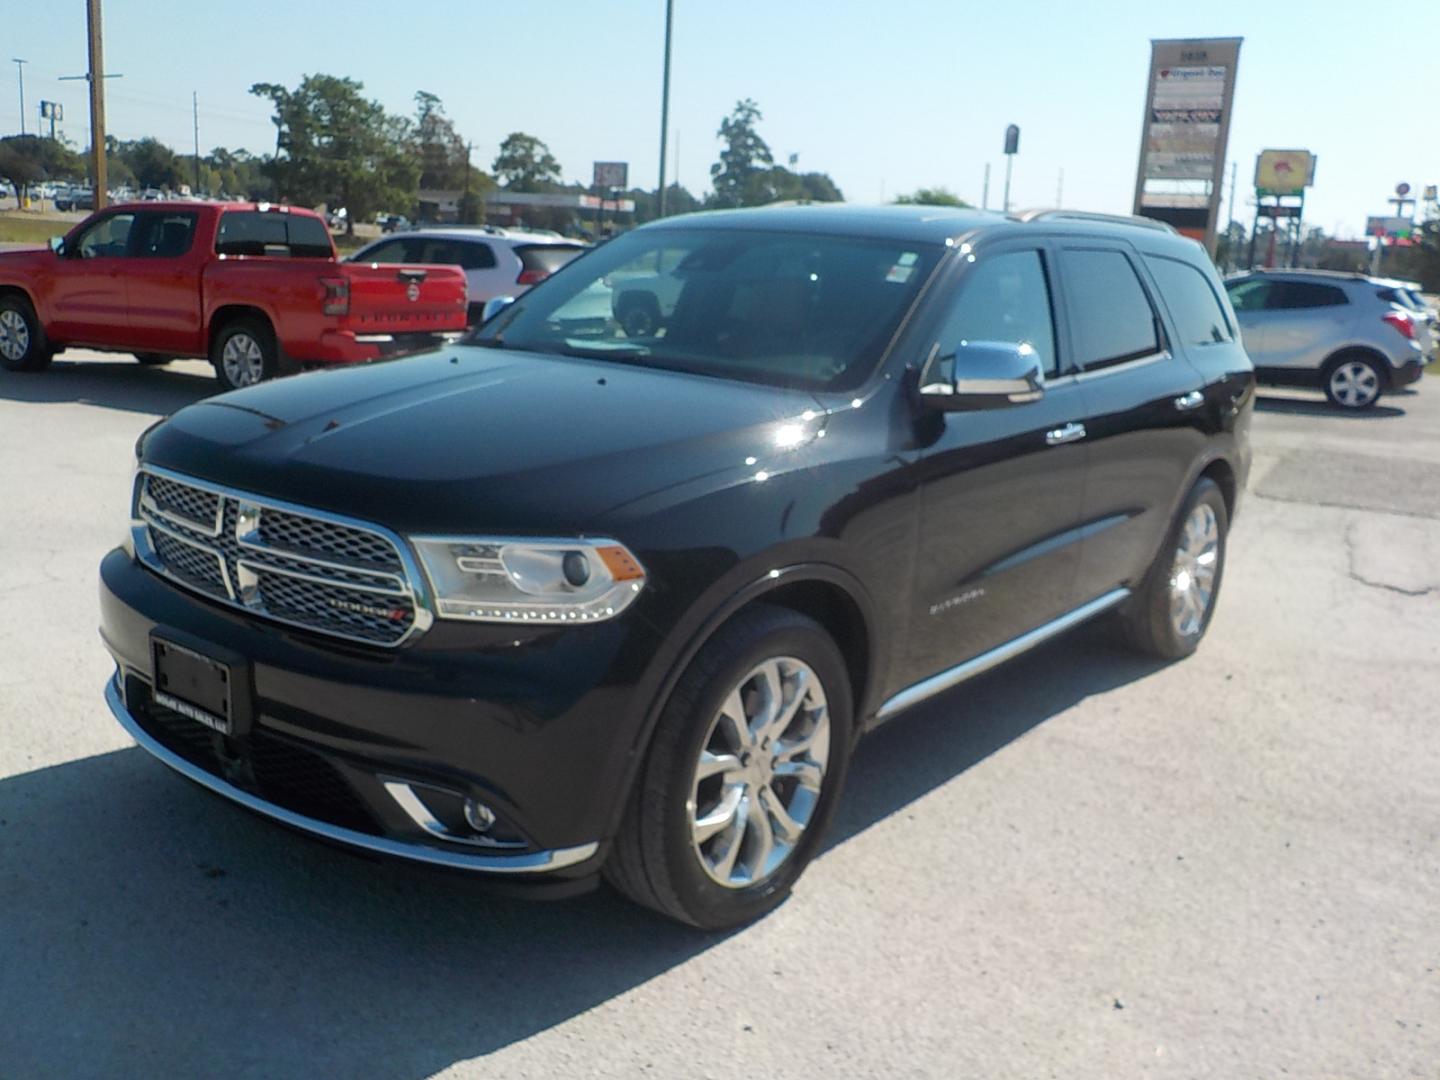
[{"x": 404, "y": 299}]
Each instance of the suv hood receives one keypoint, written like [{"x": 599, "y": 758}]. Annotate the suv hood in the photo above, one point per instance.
[{"x": 476, "y": 439}]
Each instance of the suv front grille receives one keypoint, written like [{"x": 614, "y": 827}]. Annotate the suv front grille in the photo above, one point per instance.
[{"x": 304, "y": 568}]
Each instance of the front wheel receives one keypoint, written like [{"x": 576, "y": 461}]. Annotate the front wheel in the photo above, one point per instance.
[
  {"x": 244, "y": 353},
  {"x": 1353, "y": 382},
  {"x": 1171, "y": 610},
  {"x": 22, "y": 339},
  {"x": 742, "y": 776}
]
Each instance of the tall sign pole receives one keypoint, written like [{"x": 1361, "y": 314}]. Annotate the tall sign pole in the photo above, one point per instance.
[
  {"x": 20, "y": 67},
  {"x": 97, "y": 101},
  {"x": 1185, "y": 130},
  {"x": 1012, "y": 147},
  {"x": 665, "y": 105}
]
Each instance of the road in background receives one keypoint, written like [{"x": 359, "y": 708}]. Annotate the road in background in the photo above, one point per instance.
[{"x": 1082, "y": 864}]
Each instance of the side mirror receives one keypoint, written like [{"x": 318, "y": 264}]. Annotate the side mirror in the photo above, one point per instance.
[
  {"x": 984, "y": 375},
  {"x": 57, "y": 245},
  {"x": 494, "y": 306}
]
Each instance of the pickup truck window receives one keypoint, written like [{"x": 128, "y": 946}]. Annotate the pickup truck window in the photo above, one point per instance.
[
  {"x": 270, "y": 232},
  {"x": 164, "y": 236},
  {"x": 106, "y": 238}
]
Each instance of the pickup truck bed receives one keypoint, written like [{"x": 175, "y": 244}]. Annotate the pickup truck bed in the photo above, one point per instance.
[{"x": 255, "y": 288}]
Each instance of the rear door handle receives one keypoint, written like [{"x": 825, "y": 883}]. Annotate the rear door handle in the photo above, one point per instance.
[
  {"x": 1067, "y": 434},
  {"x": 1193, "y": 400}
]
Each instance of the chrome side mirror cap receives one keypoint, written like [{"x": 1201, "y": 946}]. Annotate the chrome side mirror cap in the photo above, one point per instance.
[
  {"x": 57, "y": 245},
  {"x": 494, "y": 306},
  {"x": 984, "y": 375}
]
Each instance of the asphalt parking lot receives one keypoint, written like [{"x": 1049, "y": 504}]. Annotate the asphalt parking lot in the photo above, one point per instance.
[{"x": 1079, "y": 865}]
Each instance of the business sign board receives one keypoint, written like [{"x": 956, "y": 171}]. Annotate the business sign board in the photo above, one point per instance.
[
  {"x": 1396, "y": 228},
  {"x": 612, "y": 174},
  {"x": 1187, "y": 123},
  {"x": 1284, "y": 172}
]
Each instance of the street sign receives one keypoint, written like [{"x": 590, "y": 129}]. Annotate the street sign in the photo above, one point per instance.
[
  {"x": 1284, "y": 172},
  {"x": 612, "y": 174},
  {"x": 1402, "y": 190},
  {"x": 1012, "y": 139}
]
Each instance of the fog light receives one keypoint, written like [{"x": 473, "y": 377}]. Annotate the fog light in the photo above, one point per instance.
[{"x": 479, "y": 816}]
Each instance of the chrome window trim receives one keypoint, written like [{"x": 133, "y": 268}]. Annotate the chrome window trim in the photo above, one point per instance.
[
  {"x": 1128, "y": 365},
  {"x": 935, "y": 684},
  {"x": 416, "y": 583},
  {"x": 531, "y": 862}
]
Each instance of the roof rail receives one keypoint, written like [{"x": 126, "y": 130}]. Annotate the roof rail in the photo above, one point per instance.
[{"x": 1087, "y": 215}]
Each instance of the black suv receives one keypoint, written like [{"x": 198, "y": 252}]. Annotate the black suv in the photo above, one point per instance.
[{"x": 560, "y": 602}]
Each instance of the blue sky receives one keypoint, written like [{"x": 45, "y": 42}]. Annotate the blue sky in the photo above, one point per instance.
[{"x": 885, "y": 97}]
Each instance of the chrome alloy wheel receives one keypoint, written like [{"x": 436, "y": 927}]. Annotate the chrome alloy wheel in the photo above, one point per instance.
[
  {"x": 243, "y": 361},
  {"x": 1192, "y": 575},
  {"x": 1354, "y": 384},
  {"x": 14, "y": 335},
  {"x": 761, "y": 766}
]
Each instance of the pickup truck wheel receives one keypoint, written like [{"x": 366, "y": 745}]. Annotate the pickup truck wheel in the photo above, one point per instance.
[
  {"x": 742, "y": 776},
  {"x": 1171, "y": 610},
  {"x": 151, "y": 359},
  {"x": 244, "y": 354},
  {"x": 22, "y": 339}
]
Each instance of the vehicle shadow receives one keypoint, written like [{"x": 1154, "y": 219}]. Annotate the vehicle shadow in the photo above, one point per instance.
[
  {"x": 112, "y": 384},
  {"x": 1291, "y": 406},
  {"x": 150, "y": 928}
]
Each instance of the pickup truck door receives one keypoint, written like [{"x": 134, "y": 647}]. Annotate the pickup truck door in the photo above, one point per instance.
[
  {"x": 162, "y": 282},
  {"x": 87, "y": 301}
]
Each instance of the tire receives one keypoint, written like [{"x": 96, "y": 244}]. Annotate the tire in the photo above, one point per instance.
[
  {"x": 639, "y": 317},
  {"x": 1353, "y": 381},
  {"x": 244, "y": 353},
  {"x": 1150, "y": 621},
  {"x": 23, "y": 345},
  {"x": 656, "y": 860},
  {"x": 150, "y": 359}
]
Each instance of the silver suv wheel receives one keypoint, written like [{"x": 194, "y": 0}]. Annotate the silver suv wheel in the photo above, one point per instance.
[
  {"x": 1354, "y": 384},
  {"x": 1192, "y": 574}
]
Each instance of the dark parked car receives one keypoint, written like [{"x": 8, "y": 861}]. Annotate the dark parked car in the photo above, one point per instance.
[{"x": 562, "y": 602}]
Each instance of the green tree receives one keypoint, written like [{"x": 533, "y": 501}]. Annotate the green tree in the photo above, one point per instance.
[
  {"x": 931, "y": 196},
  {"x": 30, "y": 159},
  {"x": 743, "y": 158},
  {"x": 525, "y": 164},
  {"x": 335, "y": 146},
  {"x": 444, "y": 157},
  {"x": 153, "y": 164}
]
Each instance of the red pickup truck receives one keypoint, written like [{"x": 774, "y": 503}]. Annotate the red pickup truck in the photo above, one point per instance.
[{"x": 254, "y": 287}]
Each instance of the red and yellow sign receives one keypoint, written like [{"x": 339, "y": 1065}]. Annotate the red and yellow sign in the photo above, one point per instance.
[{"x": 1284, "y": 172}]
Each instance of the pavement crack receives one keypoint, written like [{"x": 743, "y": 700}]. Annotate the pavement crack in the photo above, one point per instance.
[{"x": 1360, "y": 579}]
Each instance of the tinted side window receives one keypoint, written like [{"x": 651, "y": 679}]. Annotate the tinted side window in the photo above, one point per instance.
[
  {"x": 1304, "y": 294},
  {"x": 1004, "y": 297},
  {"x": 391, "y": 251},
  {"x": 1248, "y": 294},
  {"x": 547, "y": 258},
  {"x": 1110, "y": 315},
  {"x": 1199, "y": 318},
  {"x": 255, "y": 232},
  {"x": 107, "y": 238},
  {"x": 475, "y": 256},
  {"x": 307, "y": 237},
  {"x": 164, "y": 236}
]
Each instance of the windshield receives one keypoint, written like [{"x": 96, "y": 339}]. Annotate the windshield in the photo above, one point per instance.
[{"x": 789, "y": 309}]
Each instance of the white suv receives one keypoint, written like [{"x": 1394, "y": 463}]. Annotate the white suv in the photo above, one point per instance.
[{"x": 497, "y": 262}]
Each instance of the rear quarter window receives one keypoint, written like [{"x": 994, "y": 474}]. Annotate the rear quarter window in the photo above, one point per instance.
[
  {"x": 270, "y": 232},
  {"x": 1199, "y": 316},
  {"x": 1111, "y": 320},
  {"x": 547, "y": 257}
]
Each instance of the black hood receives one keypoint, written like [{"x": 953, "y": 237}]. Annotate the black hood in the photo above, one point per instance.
[{"x": 474, "y": 439}]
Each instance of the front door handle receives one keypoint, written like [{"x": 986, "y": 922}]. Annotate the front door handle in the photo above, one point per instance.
[
  {"x": 1067, "y": 434},
  {"x": 1193, "y": 400}
]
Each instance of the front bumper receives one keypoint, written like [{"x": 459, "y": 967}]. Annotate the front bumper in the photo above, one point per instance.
[{"x": 540, "y": 730}]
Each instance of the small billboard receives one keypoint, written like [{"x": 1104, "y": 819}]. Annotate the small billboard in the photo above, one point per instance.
[
  {"x": 612, "y": 174},
  {"x": 1284, "y": 172}
]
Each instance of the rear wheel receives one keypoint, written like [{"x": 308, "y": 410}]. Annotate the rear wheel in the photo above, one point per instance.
[
  {"x": 742, "y": 775},
  {"x": 244, "y": 353},
  {"x": 1170, "y": 612},
  {"x": 22, "y": 339},
  {"x": 1353, "y": 382}
]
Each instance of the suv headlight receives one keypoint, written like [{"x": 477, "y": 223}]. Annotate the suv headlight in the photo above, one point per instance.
[{"x": 491, "y": 579}]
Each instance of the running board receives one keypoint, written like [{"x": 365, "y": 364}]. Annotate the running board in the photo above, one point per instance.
[{"x": 937, "y": 684}]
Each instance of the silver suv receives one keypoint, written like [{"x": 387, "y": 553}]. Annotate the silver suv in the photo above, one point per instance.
[{"x": 1344, "y": 333}]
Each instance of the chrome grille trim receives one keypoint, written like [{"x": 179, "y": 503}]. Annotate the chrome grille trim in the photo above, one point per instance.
[{"x": 343, "y": 591}]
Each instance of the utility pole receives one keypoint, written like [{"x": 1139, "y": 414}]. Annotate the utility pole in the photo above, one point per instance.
[
  {"x": 1230, "y": 216},
  {"x": 1060, "y": 190},
  {"x": 985, "y": 191},
  {"x": 20, "y": 67},
  {"x": 664, "y": 106},
  {"x": 97, "y": 100},
  {"x": 195, "y": 113}
]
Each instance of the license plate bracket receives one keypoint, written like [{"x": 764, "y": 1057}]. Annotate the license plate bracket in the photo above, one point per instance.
[{"x": 200, "y": 682}]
